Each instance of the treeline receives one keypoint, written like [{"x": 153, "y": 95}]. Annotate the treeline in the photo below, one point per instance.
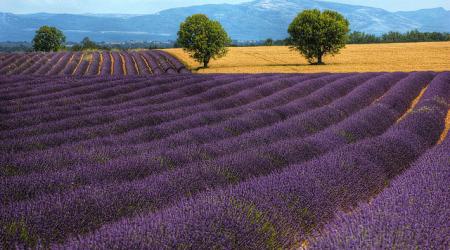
[
  {"x": 87, "y": 44},
  {"x": 16, "y": 47},
  {"x": 267, "y": 42},
  {"x": 357, "y": 37}
]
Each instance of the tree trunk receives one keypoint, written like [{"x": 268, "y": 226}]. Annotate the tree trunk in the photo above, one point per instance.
[
  {"x": 319, "y": 59},
  {"x": 205, "y": 62}
]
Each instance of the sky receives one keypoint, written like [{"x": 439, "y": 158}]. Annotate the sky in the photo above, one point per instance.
[{"x": 152, "y": 6}]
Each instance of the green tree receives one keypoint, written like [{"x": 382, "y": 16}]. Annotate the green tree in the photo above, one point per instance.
[
  {"x": 203, "y": 38},
  {"x": 87, "y": 43},
  {"x": 361, "y": 37},
  {"x": 48, "y": 39},
  {"x": 393, "y": 36},
  {"x": 315, "y": 34},
  {"x": 268, "y": 42}
]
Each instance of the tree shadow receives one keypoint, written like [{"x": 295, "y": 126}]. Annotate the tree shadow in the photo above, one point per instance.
[
  {"x": 199, "y": 68},
  {"x": 295, "y": 64}
]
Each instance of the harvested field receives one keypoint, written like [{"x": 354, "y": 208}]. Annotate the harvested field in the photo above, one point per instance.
[{"x": 406, "y": 57}]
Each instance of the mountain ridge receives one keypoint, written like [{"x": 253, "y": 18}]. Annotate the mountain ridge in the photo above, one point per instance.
[{"x": 255, "y": 20}]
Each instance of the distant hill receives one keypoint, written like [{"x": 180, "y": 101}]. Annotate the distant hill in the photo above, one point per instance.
[
  {"x": 437, "y": 19},
  {"x": 254, "y": 20}
]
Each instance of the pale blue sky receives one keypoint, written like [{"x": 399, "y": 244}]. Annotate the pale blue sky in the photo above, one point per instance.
[{"x": 151, "y": 6}]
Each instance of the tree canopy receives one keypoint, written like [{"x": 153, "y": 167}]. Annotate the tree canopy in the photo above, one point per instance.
[
  {"x": 87, "y": 44},
  {"x": 314, "y": 34},
  {"x": 203, "y": 39},
  {"x": 48, "y": 39}
]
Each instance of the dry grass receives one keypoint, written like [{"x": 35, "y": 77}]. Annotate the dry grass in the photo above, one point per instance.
[
  {"x": 433, "y": 56},
  {"x": 413, "y": 104},
  {"x": 445, "y": 133}
]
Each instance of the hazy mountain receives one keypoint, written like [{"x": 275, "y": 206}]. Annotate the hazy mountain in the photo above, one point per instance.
[
  {"x": 254, "y": 20},
  {"x": 437, "y": 19}
]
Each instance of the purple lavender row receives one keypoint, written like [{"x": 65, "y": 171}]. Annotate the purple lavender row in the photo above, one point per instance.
[
  {"x": 283, "y": 117},
  {"x": 306, "y": 104},
  {"x": 25, "y": 65},
  {"x": 10, "y": 84},
  {"x": 23, "y": 120},
  {"x": 4, "y": 55},
  {"x": 74, "y": 123},
  {"x": 280, "y": 210},
  {"x": 47, "y": 67},
  {"x": 166, "y": 66},
  {"x": 109, "y": 93},
  {"x": 310, "y": 122},
  {"x": 41, "y": 65},
  {"x": 105, "y": 64},
  {"x": 75, "y": 94},
  {"x": 19, "y": 61},
  {"x": 21, "y": 84},
  {"x": 178, "y": 66},
  {"x": 412, "y": 213},
  {"x": 11, "y": 61},
  {"x": 159, "y": 63},
  {"x": 304, "y": 91},
  {"x": 71, "y": 66},
  {"x": 81, "y": 110},
  {"x": 28, "y": 86},
  {"x": 7, "y": 81},
  {"x": 256, "y": 99},
  {"x": 143, "y": 68},
  {"x": 57, "y": 157},
  {"x": 163, "y": 64},
  {"x": 18, "y": 81},
  {"x": 17, "y": 86},
  {"x": 57, "y": 90},
  {"x": 64, "y": 96},
  {"x": 64, "y": 125},
  {"x": 93, "y": 69},
  {"x": 42, "y": 60},
  {"x": 7, "y": 59},
  {"x": 147, "y": 117},
  {"x": 57, "y": 115},
  {"x": 49, "y": 95},
  {"x": 72, "y": 89},
  {"x": 59, "y": 65},
  {"x": 81, "y": 68},
  {"x": 117, "y": 66},
  {"x": 156, "y": 69},
  {"x": 129, "y": 63},
  {"x": 29, "y": 91},
  {"x": 137, "y": 195}
]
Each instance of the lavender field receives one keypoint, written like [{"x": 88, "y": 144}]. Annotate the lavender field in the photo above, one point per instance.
[
  {"x": 98, "y": 63},
  {"x": 189, "y": 161}
]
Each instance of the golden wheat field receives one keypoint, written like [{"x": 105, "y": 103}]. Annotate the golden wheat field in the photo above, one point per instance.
[{"x": 433, "y": 56}]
